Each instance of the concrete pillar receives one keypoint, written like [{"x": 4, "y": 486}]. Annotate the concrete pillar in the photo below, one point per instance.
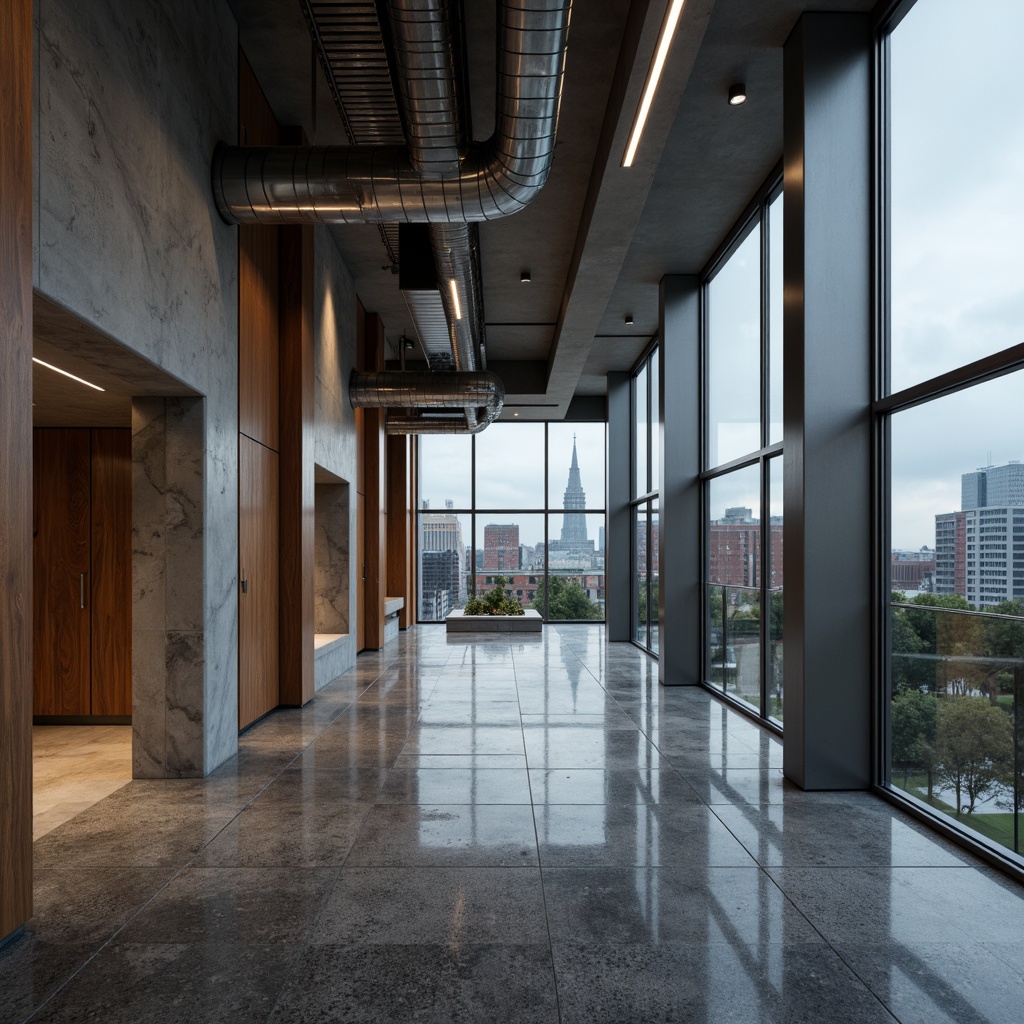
[
  {"x": 617, "y": 562},
  {"x": 828, "y": 76},
  {"x": 679, "y": 539}
]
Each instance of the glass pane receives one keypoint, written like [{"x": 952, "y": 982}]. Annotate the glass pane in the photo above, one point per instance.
[
  {"x": 956, "y": 159},
  {"x": 445, "y": 543},
  {"x": 580, "y": 446},
  {"x": 511, "y": 546},
  {"x": 775, "y": 658},
  {"x": 510, "y": 466},
  {"x": 640, "y": 601},
  {"x": 445, "y": 465},
  {"x": 641, "y": 433},
  {"x": 655, "y": 424},
  {"x": 957, "y": 551},
  {"x": 653, "y": 562},
  {"x": 734, "y": 355},
  {"x": 734, "y": 594},
  {"x": 775, "y": 320},
  {"x": 576, "y": 568}
]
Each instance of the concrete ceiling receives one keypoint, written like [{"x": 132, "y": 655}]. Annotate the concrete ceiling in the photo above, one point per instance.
[{"x": 599, "y": 238}]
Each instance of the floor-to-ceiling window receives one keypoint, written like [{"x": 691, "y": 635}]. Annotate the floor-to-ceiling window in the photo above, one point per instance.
[
  {"x": 950, "y": 429},
  {"x": 646, "y": 457},
  {"x": 523, "y": 501},
  {"x": 742, "y": 328}
]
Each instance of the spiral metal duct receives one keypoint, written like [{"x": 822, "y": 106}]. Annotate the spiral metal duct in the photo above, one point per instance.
[
  {"x": 356, "y": 185},
  {"x": 450, "y": 402}
]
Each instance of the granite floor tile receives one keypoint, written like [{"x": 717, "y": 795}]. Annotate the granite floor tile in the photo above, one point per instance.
[
  {"x": 383, "y": 984},
  {"x": 446, "y": 906},
  {"x": 656, "y": 905},
  {"x": 570, "y": 746},
  {"x": 455, "y": 786},
  {"x": 312, "y": 786},
  {"x": 624, "y": 835},
  {"x": 940, "y": 983},
  {"x": 249, "y": 906},
  {"x": 707, "y": 984},
  {"x": 284, "y": 835},
  {"x": 406, "y": 835},
  {"x": 613, "y": 786},
  {"x": 169, "y": 983}
]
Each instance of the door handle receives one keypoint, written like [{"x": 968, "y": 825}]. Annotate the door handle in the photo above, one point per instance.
[
  {"x": 81, "y": 590},
  {"x": 244, "y": 583}
]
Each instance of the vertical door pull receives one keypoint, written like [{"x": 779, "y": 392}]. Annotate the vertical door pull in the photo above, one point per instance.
[
  {"x": 81, "y": 590},
  {"x": 244, "y": 584}
]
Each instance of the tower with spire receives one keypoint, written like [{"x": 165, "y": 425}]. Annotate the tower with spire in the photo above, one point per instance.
[{"x": 574, "y": 526}]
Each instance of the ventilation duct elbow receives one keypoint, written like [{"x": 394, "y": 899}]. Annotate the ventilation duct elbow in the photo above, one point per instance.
[{"x": 360, "y": 184}]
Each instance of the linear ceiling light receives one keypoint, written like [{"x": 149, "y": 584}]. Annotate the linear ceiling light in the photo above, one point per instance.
[
  {"x": 455, "y": 298},
  {"x": 57, "y": 369},
  {"x": 668, "y": 29}
]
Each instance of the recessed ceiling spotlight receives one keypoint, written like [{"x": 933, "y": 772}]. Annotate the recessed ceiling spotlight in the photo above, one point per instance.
[
  {"x": 737, "y": 94},
  {"x": 408, "y": 344},
  {"x": 524, "y": 277},
  {"x": 515, "y": 414},
  {"x": 628, "y": 318}
]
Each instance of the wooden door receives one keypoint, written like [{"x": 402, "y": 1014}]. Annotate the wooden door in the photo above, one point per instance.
[
  {"x": 258, "y": 628},
  {"x": 61, "y": 596},
  {"x": 111, "y": 593}
]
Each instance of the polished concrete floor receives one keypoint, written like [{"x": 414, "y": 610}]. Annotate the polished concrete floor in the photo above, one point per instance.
[
  {"x": 509, "y": 831},
  {"x": 74, "y": 767}
]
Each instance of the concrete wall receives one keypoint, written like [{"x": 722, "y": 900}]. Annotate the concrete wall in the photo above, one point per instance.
[
  {"x": 131, "y": 98},
  {"x": 334, "y": 330}
]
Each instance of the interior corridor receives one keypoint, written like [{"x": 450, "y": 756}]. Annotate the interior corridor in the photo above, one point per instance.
[{"x": 494, "y": 830}]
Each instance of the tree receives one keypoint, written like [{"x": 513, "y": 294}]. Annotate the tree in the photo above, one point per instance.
[
  {"x": 914, "y": 717},
  {"x": 567, "y": 600},
  {"x": 974, "y": 748}
]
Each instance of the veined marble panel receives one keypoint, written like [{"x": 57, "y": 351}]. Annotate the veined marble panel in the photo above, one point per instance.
[{"x": 331, "y": 551}]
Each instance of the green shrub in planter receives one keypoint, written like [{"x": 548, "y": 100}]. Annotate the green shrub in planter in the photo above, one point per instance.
[{"x": 494, "y": 602}]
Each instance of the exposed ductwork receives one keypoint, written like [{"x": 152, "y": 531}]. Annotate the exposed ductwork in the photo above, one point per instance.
[
  {"x": 438, "y": 179},
  {"x": 360, "y": 184},
  {"x": 449, "y": 402}
]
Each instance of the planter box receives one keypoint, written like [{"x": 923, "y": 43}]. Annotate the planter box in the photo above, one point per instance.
[{"x": 530, "y": 622}]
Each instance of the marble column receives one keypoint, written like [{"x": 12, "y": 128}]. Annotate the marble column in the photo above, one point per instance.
[{"x": 168, "y": 565}]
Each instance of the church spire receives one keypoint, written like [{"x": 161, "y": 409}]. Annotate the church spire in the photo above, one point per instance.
[{"x": 574, "y": 527}]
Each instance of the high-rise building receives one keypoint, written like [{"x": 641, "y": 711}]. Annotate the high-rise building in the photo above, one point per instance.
[
  {"x": 979, "y": 551},
  {"x": 734, "y": 549},
  {"x": 442, "y": 531}
]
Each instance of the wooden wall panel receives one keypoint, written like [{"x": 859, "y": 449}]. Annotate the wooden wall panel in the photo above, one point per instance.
[
  {"x": 258, "y": 544},
  {"x": 398, "y": 524},
  {"x": 15, "y": 465},
  {"x": 111, "y": 597},
  {"x": 298, "y": 492},
  {"x": 360, "y": 553},
  {"x": 61, "y": 572},
  {"x": 258, "y": 285},
  {"x": 374, "y": 453}
]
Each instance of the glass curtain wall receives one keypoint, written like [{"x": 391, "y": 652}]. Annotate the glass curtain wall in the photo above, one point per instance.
[
  {"x": 742, "y": 326},
  {"x": 646, "y": 468},
  {"x": 952, "y": 478},
  {"x": 519, "y": 501}
]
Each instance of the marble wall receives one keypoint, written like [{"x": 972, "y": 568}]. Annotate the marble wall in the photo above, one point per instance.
[
  {"x": 331, "y": 612},
  {"x": 131, "y": 98}
]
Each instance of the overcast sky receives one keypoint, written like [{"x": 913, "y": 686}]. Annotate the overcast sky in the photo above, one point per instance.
[{"x": 957, "y": 222}]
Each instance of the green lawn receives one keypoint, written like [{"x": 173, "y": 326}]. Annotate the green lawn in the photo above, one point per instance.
[{"x": 997, "y": 827}]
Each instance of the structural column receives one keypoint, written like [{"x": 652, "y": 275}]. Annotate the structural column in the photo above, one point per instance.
[
  {"x": 618, "y": 572},
  {"x": 15, "y": 466},
  {"x": 679, "y": 539},
  {"x": 827, "y": 425}
]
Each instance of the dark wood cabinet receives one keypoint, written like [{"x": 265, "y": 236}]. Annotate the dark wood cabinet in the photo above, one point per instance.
[{"x": 82, "y": 573}]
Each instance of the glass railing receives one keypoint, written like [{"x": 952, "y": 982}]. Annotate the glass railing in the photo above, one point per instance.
[
  {"x": 734, "y": 633},
  {"x": 956, "y": 725}
]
